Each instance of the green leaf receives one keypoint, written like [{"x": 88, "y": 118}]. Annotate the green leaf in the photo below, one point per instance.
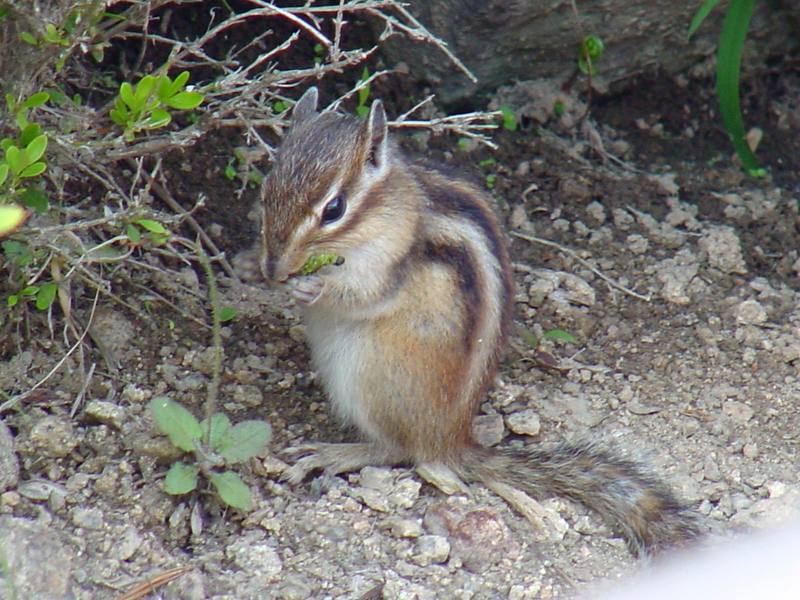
[
  {"x": 133, "y": 233},
  {"x": 46, "y": 296},
  {"x": 158, "y": 118},
  {"x": 227, "y": 313},
  {"x": 220, "y": 423},
  {"x": 363, "y": 93},
  {"x": 126, "y": 95},
  {"x": 232, "y": 490},
  {"x": 152, "y": 226},
  {"x": 185, "y": 100},
  {"x": 119, "y": 114},
  {"x": 701, "y": 15},
  {"x": 28, "y": 38},
  {"x": 560, "y": 335},
  {"x": 36, "y": 199},
  {"x": 36, "y": 148},
  {"x": 729, "y": 60},
  {"x": 33, "y": 170},
  {"x": 178, "y": 423},
  {"x": 35, "y": 100},
  {"x": 3, "y": 172},
  {"x": 143, "y": 90},
  {"x": 180, "y": 81},
  {"x": 362, "y": 111},
  {"x": 30, "y": 133},
  {"x": 11, "y": 217},
  {"x": 509, "y": 119},
  {"x": 30, "y": 290},
  {"x": 181, "y": 479},
  {"x": 244, "y": 440},
  {"x": 13, "y": 159}
]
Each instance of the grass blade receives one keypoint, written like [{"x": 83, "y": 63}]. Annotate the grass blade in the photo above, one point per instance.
[{"x": 729, "y": 60}]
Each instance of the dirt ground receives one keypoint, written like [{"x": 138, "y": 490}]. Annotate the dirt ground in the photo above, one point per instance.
[{"x": 679, "y": 285}]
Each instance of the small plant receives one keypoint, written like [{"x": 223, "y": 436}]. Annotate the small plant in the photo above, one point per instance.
[
  {"x": 214, "y": 443},
  {"x": 146, "y": 105},
  {"x": 590, "y": 52},
  {"x": 729, "y": 62},
  {"x": 509, "y": 119},
  {"x": 362, "y": 110},
  {"x": 22, "y": 163},
  {"x": 149, "y": 230},
  {"x": 551, "y": 334},
  {"x": 491, "y": 178}
]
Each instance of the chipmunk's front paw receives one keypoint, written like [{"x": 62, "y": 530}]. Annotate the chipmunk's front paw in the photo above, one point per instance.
[{"x": 306, "y": 289}]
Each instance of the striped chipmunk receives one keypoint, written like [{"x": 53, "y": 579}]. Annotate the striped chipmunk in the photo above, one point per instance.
[{"x": 407, "y": 328}]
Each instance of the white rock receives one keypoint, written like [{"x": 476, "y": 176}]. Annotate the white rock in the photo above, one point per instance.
[
  {"x": 431, "y": 549},
  {"x": 524, "y": 422},
  {"x": 750, "y": 312}
]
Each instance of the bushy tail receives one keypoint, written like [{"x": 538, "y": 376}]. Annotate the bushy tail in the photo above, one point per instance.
[{"x": 632, "y": 501}]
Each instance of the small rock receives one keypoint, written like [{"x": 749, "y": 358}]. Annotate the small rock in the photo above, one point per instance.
[
  {"x": 248, "y": 395},
  {"x": 375, "y": 499},
  {"x": 88, "y": 518},
  {"x": 127, "y": 545},
  {"x": 750, "y": 312},
  {"x": 253, "y": 555},
  {"x": 737, "y": 411},
  {"x": 596, "y": 211},
  {"x": 431, "y": 549},
  {"x": 638, "y": 244},
  {"x": 776, "y": 489},
  {"x": 9, "y": 464},
  {"x": 35, "y": 562},
  {"x": 724, "y": 249},
  {"x": 488, "y": 430},
  {"x": 404, "y": 528},
  {"x": 53, "y": 436},
  {"x": 480, "y": 539},
  {"x": 105, "y": 412},
  {"x": 376, "y": 478},
  {"x": 675, "y": 279},
  {"x": 405, "y": 494},
  {"x": 750, "y": 450},
  {"x": 524, "y": 422}
]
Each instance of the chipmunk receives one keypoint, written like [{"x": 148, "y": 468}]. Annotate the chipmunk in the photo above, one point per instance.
[{"x": 406, "y": 332}]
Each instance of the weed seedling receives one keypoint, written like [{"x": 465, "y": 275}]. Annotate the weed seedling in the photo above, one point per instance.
[{"x": 146, "y": 105}]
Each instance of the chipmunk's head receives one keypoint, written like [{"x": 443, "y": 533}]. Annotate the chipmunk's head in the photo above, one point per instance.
[{"x": 315, "y": 199}]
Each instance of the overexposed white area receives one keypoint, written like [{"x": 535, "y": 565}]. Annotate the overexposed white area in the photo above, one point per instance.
[{"x": 763, "y": 565}]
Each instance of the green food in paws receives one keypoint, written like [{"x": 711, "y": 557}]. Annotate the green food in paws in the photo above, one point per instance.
[{"x": 317, "y": 261}]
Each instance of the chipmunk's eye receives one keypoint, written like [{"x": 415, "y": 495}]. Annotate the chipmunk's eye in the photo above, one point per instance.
[{"x": 333, "y": 210}]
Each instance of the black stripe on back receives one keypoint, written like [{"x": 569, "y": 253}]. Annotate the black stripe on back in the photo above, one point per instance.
[{"x": 460, "y": 261}]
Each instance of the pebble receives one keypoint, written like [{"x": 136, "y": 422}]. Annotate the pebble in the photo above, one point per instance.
[
  {"x": 128, "y": 543},
  {"x": 724, "y": 249},
  {"x": 738, "y": 412},
  {"x": 403, "y": 528},
  {"x": 9, "y": 464},
  {"x": 524, "y": 422},
  {"x": 431, "y": 549},
  {"x": 40, "y": 563},
  {"x": 53, "y": 436},
  {"x": 105, "y": 412},
  {"x": 488, "y": 430},
  {"x": 376, "y": 478},
  {"x": 88, "y": 518},
  {"x": 750, "y": 312},
  {"x": 251, "y": 554}
]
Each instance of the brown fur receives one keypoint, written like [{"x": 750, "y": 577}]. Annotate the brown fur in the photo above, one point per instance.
[{"x": 407, "y": 333}]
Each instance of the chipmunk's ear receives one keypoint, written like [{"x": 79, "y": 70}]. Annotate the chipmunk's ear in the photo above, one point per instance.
[
  {"x": 377, "y": 134},
  {"x": 306, "y": 107}
]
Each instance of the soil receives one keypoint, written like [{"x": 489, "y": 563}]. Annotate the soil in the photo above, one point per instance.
[{"x": 697, "y": 374}]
